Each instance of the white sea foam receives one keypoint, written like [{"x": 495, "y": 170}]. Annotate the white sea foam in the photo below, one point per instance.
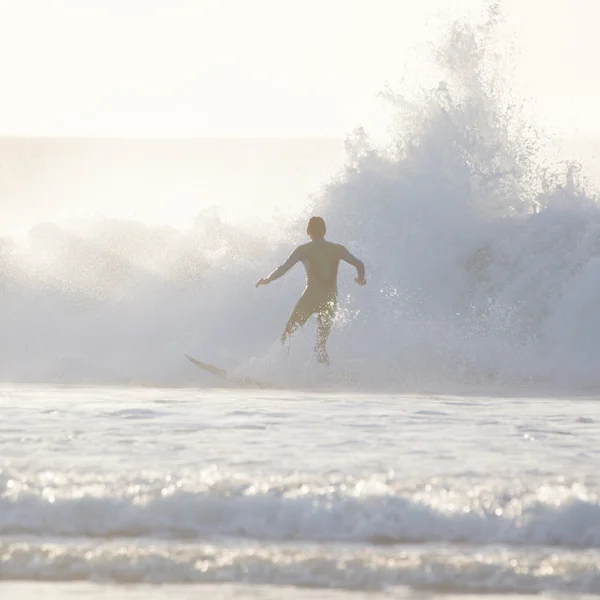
[
  {"x": 466, "y": 570},
  {"x": 375, "y": 510},
  {"x": 364, "y": 492}
]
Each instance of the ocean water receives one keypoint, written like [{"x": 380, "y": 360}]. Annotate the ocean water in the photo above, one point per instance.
[
  {"x": 264, "y": 494},
  {"x": 451, "y": 448}
]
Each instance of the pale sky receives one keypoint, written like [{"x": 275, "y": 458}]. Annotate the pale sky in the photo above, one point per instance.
[
  {"x": 262, "y": 67},
  {"x": 238, "y": 68}
]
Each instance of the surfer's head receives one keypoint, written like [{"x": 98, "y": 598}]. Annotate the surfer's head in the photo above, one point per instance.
[{"x": 316, "y": 228}]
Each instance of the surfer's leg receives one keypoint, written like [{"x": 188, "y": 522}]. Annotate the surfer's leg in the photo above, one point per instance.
[
  {"x": 325, "y": 318},
  {"x": 298, "y": 318}
]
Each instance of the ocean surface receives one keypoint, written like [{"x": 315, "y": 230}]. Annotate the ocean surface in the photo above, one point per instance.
[{"x": 132, "y": 492}]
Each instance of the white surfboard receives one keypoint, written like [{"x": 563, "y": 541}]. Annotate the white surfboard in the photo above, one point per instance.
[{"x": 246, "y": 382}]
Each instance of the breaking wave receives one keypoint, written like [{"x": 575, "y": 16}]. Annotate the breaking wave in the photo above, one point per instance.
[
  {"x": 483, "y": 262},
  {"x": 375, "y": 510}
]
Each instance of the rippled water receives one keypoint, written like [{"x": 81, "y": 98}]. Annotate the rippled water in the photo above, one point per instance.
[{"x": 257, "y": 494}]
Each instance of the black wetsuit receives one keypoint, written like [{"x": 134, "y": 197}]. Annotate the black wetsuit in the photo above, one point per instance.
[{"x": 321, "y": 260}]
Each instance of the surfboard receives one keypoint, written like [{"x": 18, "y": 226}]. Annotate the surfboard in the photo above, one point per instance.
[{"x": 248, "y": 382}]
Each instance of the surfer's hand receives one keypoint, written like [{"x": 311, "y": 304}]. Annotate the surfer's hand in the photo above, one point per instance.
[
  {"x": 360, "y": 282},
  {"x": 263, "y": 281}
]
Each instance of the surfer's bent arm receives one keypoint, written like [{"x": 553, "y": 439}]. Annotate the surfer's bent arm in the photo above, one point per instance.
[
  {"x": 295, "y": 256},
  {"x": 355, "y": 262}
]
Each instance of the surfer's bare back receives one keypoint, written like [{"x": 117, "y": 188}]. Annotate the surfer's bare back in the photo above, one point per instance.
[{"x": 321, "y": 260}]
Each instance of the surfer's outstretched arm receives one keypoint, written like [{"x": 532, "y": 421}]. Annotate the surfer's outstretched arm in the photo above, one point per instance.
[
  {"x": 293, "y": 258},
  {"x": 355, "y": 262}
]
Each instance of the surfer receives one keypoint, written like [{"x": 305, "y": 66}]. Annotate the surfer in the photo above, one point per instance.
[{"x": 321, "y": 260}]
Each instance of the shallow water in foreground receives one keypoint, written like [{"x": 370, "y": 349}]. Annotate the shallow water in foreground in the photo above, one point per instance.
[{"x": 139, "y": 492}]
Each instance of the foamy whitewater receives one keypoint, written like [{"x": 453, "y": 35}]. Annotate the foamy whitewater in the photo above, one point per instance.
[
  {"x": 451, "y": 448},
  {"x": 334, "y": 495}
]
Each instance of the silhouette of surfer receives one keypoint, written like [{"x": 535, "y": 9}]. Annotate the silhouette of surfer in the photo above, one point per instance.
[{"x": 321, "y": 260}]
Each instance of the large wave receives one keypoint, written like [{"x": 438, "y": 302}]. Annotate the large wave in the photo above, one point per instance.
[{"x": 483, "y": 263}]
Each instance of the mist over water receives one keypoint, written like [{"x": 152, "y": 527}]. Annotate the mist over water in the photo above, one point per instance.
[{"x": 482, "y": 258}]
